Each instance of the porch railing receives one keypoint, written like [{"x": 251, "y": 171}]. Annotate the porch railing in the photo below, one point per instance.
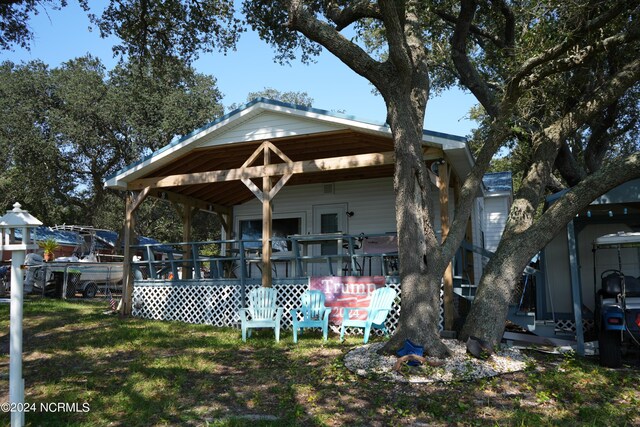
[{"x": 293, "y": 256}]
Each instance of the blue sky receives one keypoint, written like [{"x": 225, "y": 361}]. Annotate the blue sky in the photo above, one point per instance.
[{"x": 63, "y": 35}]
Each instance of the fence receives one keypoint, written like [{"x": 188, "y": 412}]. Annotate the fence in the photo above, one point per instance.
[{"x": 217, "y": 302}]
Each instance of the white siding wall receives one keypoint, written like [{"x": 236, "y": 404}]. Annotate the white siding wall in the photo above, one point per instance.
[
  {"x": 496, "y": 210},
  {"x": 269, "y": 126},
  {"x": 372, "y": 202},
  {"x": 477, "y": 225}
]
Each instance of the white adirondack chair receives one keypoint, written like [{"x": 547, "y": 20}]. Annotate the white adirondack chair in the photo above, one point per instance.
[
  {"x": 261, "y": 313},
  {"x": 377, "y": 312},
  {"x": 314, "y": 314}
]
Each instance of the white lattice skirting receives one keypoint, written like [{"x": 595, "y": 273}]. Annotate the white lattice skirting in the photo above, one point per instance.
[{"x": 217, "y": 302}]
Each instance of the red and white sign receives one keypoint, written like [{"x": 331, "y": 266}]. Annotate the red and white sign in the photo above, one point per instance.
[{"x": 347, "y": 291}]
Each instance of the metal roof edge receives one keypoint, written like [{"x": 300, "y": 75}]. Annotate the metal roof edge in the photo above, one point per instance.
[{"x": 182, "y": 139}]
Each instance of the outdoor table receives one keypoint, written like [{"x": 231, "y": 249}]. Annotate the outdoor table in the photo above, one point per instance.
[{"x": 301, "y": 242}]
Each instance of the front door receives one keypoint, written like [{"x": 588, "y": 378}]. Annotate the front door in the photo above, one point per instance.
[{"x": 329, "y": 219}]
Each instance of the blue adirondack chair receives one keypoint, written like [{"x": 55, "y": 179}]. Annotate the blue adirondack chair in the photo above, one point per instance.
[
  {"x": 261, "y": 313},
  {"x": 314, "y": 314},
  {"x": 377, "y": 312}
]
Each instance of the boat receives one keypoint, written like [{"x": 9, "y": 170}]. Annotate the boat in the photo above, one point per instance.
[{"x": 88, "y": 270}]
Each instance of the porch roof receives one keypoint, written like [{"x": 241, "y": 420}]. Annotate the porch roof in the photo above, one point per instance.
[{"x": 304, "y": 135}]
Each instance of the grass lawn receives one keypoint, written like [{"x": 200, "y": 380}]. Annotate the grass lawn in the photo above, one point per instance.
[{"x": 136, "y": 372}]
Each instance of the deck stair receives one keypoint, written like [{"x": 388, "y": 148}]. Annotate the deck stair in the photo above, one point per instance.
[
  {"x": 524, "y": 319},
  {"x": 464, "y": 288},
  {"x": 549, "y": 328}
]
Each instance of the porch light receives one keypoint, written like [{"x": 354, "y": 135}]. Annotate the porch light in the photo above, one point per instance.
[{"x": 22, "y": 221}]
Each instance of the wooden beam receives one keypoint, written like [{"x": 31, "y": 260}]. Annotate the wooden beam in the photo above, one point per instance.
[
  {"x": 279, "y": 169},
  {"x": 266, "y": 223},
  {"x": 432, "y": 153},
  {"x": 186, "y": 200},
  {"x": 254, "y": 188},
  {"x": 443, "y": 185},
  {"x": 138, "y": 198},
  {"x": 132, "y": 203},
  {"x": 281, "y": 182},
  {"x": 254, "y": 156},
  {"x": 186, "y": 212}
]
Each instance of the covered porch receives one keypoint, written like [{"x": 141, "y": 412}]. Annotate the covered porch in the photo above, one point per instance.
[{"x": 300, "y": 193}]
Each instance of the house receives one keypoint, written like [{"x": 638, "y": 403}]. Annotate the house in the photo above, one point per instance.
[
  {"x": 567, "y": 281},
  {"x": 318, "y": 185}
]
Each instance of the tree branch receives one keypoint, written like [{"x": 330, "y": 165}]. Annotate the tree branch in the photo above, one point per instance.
[
  {"x": 614, "y": 173},
  {"x": 606, "y": 95},
  {"x": 557, "y": 50},
  {"x": 508, "y": 36},
  {"x": 355, "y": 11},
  {"x": 469, "y": 76},
  {"x": 566, "y": 164},
  {"x": 395, "y": 35},
  {"x": 579, "y": 58},
  {"x": 324, "y": 34},
  {"x": 473, "y": 29},
  {"x": 600, "y": 137}
]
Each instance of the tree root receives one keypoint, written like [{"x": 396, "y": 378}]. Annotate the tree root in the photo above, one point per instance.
[{"x": 402, "y": 360}]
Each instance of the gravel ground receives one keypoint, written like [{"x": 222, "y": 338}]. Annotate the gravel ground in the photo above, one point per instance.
[{"x": 460, "y": 366}]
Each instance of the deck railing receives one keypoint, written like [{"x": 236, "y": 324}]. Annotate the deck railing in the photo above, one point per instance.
[{"x": 292, "y": 257}]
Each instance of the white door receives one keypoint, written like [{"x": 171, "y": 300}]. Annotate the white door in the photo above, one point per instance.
[{"x": 329, "y": 219}]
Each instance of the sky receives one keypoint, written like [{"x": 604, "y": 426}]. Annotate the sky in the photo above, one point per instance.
[{"x": 64, "y": 34}]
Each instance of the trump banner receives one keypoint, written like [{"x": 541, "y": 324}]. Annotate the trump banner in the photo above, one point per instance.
[{"x": 347, "y": 291}]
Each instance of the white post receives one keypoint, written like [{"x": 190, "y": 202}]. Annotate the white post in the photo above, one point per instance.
[
  {"x": 12, "y": 221},
  {"x": 16, "y": 392}
]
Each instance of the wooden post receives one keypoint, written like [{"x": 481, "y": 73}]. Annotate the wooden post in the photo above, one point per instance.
[
  {"x": 132, "y": 202},
  {"x": 443, "y": 185},
  {"x": 127, "y": 282},
  {"x": 187, "y": 217},
  {"x": 266, "y": 223}
]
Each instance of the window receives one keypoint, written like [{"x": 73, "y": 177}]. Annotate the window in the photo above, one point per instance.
[{"x": 282, "y": 227}]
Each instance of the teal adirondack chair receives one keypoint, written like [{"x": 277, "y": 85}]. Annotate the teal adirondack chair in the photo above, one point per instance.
[
  {"x": 261, "y": 313},
  {"x": 377, "y": 312},
  {"x": 314, "y": 314}
]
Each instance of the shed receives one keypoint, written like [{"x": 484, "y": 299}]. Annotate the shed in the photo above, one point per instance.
[{"x": 565, "y": 293}]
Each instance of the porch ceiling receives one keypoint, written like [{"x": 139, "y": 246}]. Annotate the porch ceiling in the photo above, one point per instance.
[{"x": 298, "y": 148}]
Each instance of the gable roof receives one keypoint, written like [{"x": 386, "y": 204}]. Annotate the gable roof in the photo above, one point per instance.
[{"x": 228, "y": 141}]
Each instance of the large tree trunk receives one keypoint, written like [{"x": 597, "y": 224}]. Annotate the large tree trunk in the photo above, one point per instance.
[
  {"x": 420, "y": 267},
  {"x": 489, "y": 311}
]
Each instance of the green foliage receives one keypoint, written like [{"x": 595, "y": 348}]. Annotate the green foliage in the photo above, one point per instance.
[
  {"x": 48, "y": 245},
  {"x": 33, "y": 170},
  {"x": 64, "y": 130},
  {"x": 166, "y": 33},
  {"x": 270, "y": 20},
  {"x": 297, "y": 98}
]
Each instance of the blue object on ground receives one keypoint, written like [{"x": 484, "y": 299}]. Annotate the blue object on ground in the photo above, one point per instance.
[{"x": 411, "y": 348}]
